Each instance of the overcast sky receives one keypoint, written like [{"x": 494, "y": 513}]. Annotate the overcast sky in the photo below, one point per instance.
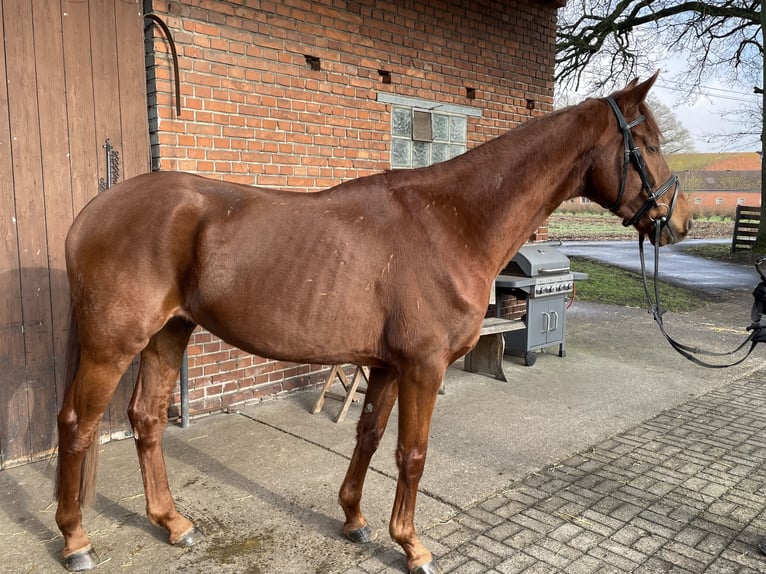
[{"x": 701, "y": 116}]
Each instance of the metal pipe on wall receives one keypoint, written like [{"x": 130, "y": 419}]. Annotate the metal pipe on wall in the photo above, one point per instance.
[{"x": 185, "y": 390}]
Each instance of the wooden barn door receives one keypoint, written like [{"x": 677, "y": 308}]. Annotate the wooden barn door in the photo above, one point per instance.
[{"x": 71, "y": 76}]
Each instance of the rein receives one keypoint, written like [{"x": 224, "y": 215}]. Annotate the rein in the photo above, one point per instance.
[
  {"x": 633, "y": 156},
  {"x": 757, "y": 329}
]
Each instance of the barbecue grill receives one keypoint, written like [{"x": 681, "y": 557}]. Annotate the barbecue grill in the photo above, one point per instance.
[{"x": 540, "y": 275}]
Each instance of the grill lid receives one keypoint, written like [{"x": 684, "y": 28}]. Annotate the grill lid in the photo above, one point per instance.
[{"x": 537, "y": 259}]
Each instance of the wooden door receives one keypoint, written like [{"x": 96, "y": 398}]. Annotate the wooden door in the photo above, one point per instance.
[{"x": 72, "y": 76}]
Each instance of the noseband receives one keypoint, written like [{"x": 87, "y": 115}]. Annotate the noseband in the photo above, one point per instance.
[{"x": 633, "y": 155}]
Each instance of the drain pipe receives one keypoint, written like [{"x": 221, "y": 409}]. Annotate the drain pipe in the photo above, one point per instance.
[
  {"x": 185, "y": 390},
  {"x": 184, "y": 376},
  {"x": 169, "y": 36}
]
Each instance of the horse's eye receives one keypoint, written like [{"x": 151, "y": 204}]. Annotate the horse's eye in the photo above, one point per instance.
[{"x": 652, "y": 149}]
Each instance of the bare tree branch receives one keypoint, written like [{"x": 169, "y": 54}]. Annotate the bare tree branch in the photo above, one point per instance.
[{"x": 608, "y": 34}]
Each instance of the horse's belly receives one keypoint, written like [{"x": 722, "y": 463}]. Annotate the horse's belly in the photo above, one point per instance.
[{"x": 297, "y": 325}]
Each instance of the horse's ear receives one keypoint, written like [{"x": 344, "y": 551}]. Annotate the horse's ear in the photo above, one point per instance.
[
  {"x": 639, "y": 91},
  {"x": 643, "y": 88},
  {"x": 634, "y": 93}
]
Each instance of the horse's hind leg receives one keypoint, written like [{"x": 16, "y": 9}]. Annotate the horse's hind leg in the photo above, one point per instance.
[
  {"x": 78, "y": 423},
  {"x": 379, "y": 399},
  {"x": 160, "y": 363}
]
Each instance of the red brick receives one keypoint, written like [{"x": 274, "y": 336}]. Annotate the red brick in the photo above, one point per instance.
[
  {"x": 201, "y": 28},
  {"x": 254, "y": 109}
]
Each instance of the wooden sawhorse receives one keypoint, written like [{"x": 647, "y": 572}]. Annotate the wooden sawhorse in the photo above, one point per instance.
[{"x": 351, "y": 389}]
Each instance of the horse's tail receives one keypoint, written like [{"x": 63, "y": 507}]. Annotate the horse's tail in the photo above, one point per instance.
[{"x": 90, "y": 460}]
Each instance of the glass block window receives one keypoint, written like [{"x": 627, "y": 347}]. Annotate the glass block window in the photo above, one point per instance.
[{"x": 413, "y": 146}]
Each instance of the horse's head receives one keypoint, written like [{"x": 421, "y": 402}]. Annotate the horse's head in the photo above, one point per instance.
[{"x": 629, "y": 175}]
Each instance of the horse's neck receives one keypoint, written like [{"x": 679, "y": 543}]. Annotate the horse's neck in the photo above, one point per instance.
[{"x": 504, "y": 189}]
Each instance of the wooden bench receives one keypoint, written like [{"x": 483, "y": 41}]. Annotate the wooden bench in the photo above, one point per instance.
[
  {"x": 746, "y": 223},
  {"x": 487, "y": 356}
]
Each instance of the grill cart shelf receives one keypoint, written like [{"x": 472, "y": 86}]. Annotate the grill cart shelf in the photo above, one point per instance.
[{"x": 539, "y": 274}]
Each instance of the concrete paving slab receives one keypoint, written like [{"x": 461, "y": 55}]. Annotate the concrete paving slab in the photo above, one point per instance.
[
  {"x": 263, "y": 482},
  {"x": 267, "y": 499}
]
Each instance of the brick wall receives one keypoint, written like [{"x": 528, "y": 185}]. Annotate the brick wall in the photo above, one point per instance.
[{"x": 256, "y": 109}]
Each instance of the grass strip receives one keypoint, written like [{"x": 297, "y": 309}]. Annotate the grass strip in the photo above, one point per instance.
[
  {"x": 615, "y": 286},
  {"x": 720, "y": 252}
]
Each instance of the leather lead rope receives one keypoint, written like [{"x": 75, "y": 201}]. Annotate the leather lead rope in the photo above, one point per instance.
[{"x": 687, "y": 351}]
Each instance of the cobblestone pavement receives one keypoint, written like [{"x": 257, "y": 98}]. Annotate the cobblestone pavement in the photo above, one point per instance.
[{"x": 682, "y": 492}]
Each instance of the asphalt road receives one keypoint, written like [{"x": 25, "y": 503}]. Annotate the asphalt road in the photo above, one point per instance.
[{"x": 675, "y": 266}]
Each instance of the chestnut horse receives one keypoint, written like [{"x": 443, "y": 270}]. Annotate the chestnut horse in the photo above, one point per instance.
[{"x": 392, "y": 271}]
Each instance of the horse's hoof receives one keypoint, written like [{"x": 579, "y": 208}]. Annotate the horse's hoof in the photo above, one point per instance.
[
  {"x": 428, "y": 568},
  {"x": 85, "y": 559},
  {"x": 190, "y": 538},
  {"x": 362, "y": 535}
]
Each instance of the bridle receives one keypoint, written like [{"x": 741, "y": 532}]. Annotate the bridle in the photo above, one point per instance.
[{"x": 633, "y": 156}]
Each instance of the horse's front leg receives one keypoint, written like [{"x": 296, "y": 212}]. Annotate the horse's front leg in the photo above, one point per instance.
[
  {"x": 417, "y": 396},
  {"x": 378, "y": 402},
  {"x": 160, "y": 363}
]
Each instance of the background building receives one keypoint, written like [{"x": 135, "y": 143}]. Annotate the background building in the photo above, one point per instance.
[{"x": 716, "y": 183}]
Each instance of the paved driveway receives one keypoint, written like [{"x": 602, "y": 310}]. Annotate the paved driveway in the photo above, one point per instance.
[{"x": 712, "y": 277}]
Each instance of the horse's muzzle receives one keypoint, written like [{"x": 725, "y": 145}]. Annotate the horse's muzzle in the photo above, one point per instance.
[{"x": 671, "y": 231}]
